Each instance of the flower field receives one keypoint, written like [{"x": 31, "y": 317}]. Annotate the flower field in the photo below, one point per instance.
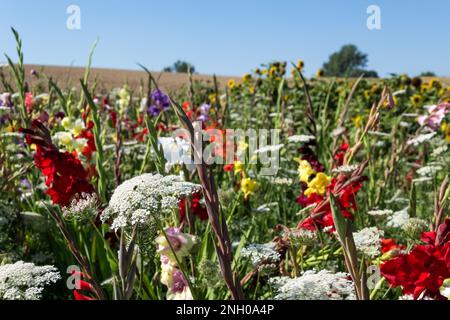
[{"x": 271, "y": 187}]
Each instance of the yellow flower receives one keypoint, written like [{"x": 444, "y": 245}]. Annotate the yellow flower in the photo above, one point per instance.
[
  {"x": 212, "y": 98},
  {"x": 252, "y": 89},
  {"x": 238, "y": 167},
  {"x": 272, "y": 71},
  {"x": 320, "y": 73},
  {"x": 247, "y": 77},
  {"x": 424, "y": 87},
  {"x": 357, "y": 121},
  {"x": 434, "y": 83},
  {"x": 416, "y": 100},
  {"x": 231, "y": 83},
  {"x": 318, "y": 185},
  {"x": 446, "y": 130},
  {"x": 305, "y": 171},
  {"x": 264, "y": 71},
  {"x": 367, "y": 94},
  {"x": 300, "y": 64},
  {"x": 248, "y": 186}
]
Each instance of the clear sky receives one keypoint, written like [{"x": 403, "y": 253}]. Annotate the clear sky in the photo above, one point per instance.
[{"x": 230, "y": 37}]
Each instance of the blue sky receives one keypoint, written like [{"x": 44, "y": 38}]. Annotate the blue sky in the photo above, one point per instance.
[{"x": 230, "y": 37}]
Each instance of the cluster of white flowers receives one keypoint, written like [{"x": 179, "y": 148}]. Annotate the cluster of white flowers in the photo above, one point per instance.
[
  {"x": 368, "y": 241},
  {"x": 312, "y": 285},
  {"x": 25, "y": 281},
  {"x": 398, "y": 218},
  {"x": 83, "y": 207},
  {"x": 345, "y": 169},
  {"x": 415, "y": 226},
  {"x": 137, "y": 201},
  {"x": 420, "y": 139},
  {"x": 300, "y": 138},
  {"x": 261, "y": 253},
  {"x": 300, "y": 236},
  {"x": 439, "y": 150},
  {"x": 429, "y": 171},
  {"x": 379, "y": 213}
]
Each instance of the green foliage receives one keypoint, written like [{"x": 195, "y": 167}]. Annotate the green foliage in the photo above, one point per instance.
[{"x": 348, "y": 62}]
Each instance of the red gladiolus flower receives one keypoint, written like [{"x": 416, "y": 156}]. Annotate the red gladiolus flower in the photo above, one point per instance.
[
  {"x": 82, "y": 286},
  {"x": 196, "y": 208},
  {"x": 340, "y": 154},
  {"x": 28, "y": 102},
  {"x": 87, "y": 134},
  {"x": 321, "y": 216},
  {"x": 422, "y": 271},
  {"x": 64, "y": 174},
  {"x": 389, "y": 245}
]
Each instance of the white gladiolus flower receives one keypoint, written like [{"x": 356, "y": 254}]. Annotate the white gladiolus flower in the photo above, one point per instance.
[{"x": 25, "y": 281}]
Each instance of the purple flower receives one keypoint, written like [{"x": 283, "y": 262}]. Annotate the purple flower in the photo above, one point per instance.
[
  {"x": 204, "y": 108},
  {"x": 179, "y": 282},
  {"x": 202, "y": 118},
  {"x": 34, "y": 72},
  {"x": 159, "y": 102}
]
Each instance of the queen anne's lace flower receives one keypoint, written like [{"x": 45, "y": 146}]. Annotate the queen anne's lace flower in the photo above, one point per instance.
[
  {"x": 261, "y": 253},
  {"x": 379, "y": 213},
  {"x": 420, "y": 139},
  {"x": 312, "y": 285},
  {"x": 25, "y": 281},
  {"x": 368, "y": 241},
  {"x": 83, "y": 207},
  {"x": 137, "y": 201},
  {"x": 398, "y": 218}
]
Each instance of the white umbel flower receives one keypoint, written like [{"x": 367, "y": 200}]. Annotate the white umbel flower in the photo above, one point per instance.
[
  {"x": 346, "y": 169},
  {"x": 379, "y": 213},
  {"x": 368, "y": 241},
  {"x": 261, "y": 253},
  {"x": 25, "y": 281},
  {"x": 300, "y": 138},
  {"x": 420, "y": 139},
  {"x": 137, "y": 201},
  {"x": 398, "y": 218},
  {"x": 312, "y": 285}
]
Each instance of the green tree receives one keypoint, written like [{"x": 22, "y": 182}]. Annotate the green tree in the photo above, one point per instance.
[
  {"x": 180, "y": 66},
  {"x": 427, "y": 74},
  {"x": 348, "y": 62}
]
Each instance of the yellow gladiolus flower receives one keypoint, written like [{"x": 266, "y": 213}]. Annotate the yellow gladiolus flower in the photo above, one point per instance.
[
  {"x": 238, "y": 167},
  {"x": 318, "y": 185},
  {"x": 305, "y": 171},
  {"x": 248, "y": 186}
]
